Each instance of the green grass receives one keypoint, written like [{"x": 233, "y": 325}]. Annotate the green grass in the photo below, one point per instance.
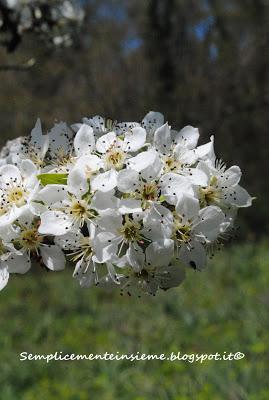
[{"x": 224, "y": 308}]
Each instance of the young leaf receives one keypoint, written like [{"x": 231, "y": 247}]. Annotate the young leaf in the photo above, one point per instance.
[{"x": 52, "y": 179}]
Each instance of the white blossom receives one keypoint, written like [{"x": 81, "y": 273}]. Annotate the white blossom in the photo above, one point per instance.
[{"x": 129, "y": 205}]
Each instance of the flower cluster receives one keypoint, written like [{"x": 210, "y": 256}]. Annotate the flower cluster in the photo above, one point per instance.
[
  {"x": 52, "y": 21},
  {"x": 130, "y": 205}
]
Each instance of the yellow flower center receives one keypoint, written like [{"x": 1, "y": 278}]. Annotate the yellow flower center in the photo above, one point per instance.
[
  {"x": 181, "y": 232},
  {"x": 16, "y": 195},
  {"x": 64, "y": 158},
  {"x": 80, "y": 211},
  {"x": 84, "y": 251},
  {"x": 3, "y": 210},
  {"x": 210, "y": 194},
  {"x": 114, "y": 158},
  {"x": 34, "y": 156},
  {"x": 170, "y": 164},
  {"x": 2, "y": 248},
  {"x": 149, "y": 191},
  {"x": 130, "y": 230},
  {"x": 30, "y": 239},
  {"x": 78, "y": 208}
]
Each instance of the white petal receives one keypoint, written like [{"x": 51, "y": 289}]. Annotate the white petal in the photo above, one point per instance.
[
  {"x": 134, "y": 139},
  {"x": 138, "y": 216},
  {"x": 37, "y": 208},
  {"x": 89, "y": 163},
  {"x": 207, "y": 169},
  {"x": 97, "y": 123},
  {"x": 135, "y": 257},
  {"x": 28, "y": 168},
  {"x": 173, "y": 185},
  {"x": 12, "y": 215},
  {"x": 162, "y": 138},
  {"x": 142, "y": 160},
  {"x": 112, "y": 273},
  {"x": 76, "y": 127},
  {"x": 26, "y": 217},
  {"x": 79, "y": 268},
  {"x": 194, "y": 255},
  {"x": 206, "y": 151},
  {"x": 159, "y": 254},
  {"x": 4, "y": 276},
  {"x": 77, "y": 183},
  {"x": 171, "y": 276},
  {"x": 105, "y": 181},
  {"x": 196, "y": 176},
  {"x": 54, "y": 223},
  {"x": 231, "y": 176},
  {"x": 123, "y": 127},
  {"x": 9, "y": 173},
  {"x": 52, "y": 194},
  {"x": 158, "y": 223},
  {"x": 105, "y": 142},
  {"x": 106, "y": 246},
  {"x": 147, "y": 162},
  {"x": 152, "y": 121},
  {"x": 158, "y": 212},
  {"x": 184, "y": 155},
  {"x": 70, "y": 240},
  {"x": 91, "y": 229},
  {"x": 238, "y": 196},
  {"x": 110, "y": 222},
  {"x": 128, "y": 180},
  {"x": 84, "y": 273},
  {"x": 105, "y": 282},
  {"x": 39, "y": 141},
  {"x": 187, "y": 207},
  {"x": 128, "y": 206},
  {"x": 84, "y": 142},
  {"x": 19, "y": 264},
  {"x": 53, "y": 257},
  {"x": 210, "y": 220},
  {"x": 61, "y": 138},
  {"x": 187, "y": 137},
  {"x": 104, "y": 201},
  {"x": 7, "y": 233}
]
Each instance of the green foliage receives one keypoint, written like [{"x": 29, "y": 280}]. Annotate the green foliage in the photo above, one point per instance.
[
  {"x": 224, "y": 308},
  {"x": 52, "y": 179}
]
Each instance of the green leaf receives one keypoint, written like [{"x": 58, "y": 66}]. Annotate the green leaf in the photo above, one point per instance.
[{"x": 52, "y": 179}]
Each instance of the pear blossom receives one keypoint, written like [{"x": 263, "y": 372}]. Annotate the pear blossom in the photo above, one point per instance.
[
  {"x": 149, "y": 280},
  {"x": 128, "y": 206},
  {"x": 101, "y": 125},
  {"x": 115, "y": 149},
  {"x": 152, "y": 121},
  {"x": 33, "y": 148},
  {"x": 26, "y": 244},
  {"x": 17, "y": 189},
  {"x": 60, "y": 154},
  {"x": 67, "y": 206},
  {"x": 118, "y": 234},
  {"x": 222, "y": 187}
]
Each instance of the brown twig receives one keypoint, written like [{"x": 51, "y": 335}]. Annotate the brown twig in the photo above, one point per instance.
[{"x": 18, "y": 67}]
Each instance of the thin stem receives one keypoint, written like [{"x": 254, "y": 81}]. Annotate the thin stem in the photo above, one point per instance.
[{"x": 18, "y": 67}]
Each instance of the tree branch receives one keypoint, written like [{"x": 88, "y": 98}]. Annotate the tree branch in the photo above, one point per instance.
[{"x": 18, "y": 67}]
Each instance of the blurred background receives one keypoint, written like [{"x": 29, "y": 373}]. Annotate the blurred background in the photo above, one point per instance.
[{"x": 199, "y": 62}]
